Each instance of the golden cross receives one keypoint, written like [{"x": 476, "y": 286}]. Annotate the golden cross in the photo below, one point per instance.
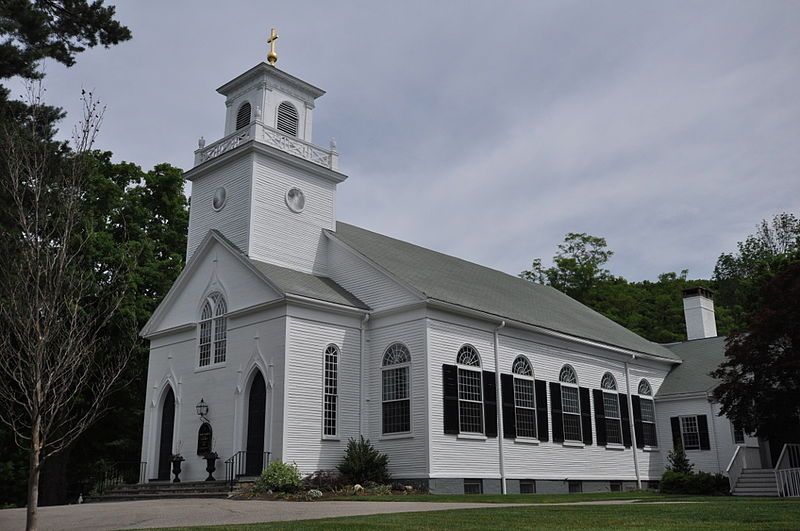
[{"x": 272, "y": 56}]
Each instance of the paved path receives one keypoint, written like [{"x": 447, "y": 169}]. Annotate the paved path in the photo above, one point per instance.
[{"x": 192, "y": 512}]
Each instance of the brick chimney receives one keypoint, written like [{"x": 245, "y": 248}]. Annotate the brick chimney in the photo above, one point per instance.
[{"x": 698, "y": 311}]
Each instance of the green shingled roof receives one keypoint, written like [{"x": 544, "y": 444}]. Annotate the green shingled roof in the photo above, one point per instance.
[
  {"x": 307, "y": 285},
  {"x": 455, "y": 281},
  {"x": 700, "y": 357}
]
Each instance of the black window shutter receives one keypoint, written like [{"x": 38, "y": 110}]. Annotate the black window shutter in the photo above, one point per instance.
[
  {"x": 555, "y": 411},
  {"x": 586, "y": 415},
  {"x": 509, "y": 416},
  {"x": 599, "y": 417},
  {"x": 637, "y": 421},
  {"x": 675, "y": 422},
  {"x": 450, "y": 392},
  {"x": 490, "y": 404},
  {"x": 702, "y": 428},
  {"x": 624, "y": 416},
  {"x": 542, "y": 428}
]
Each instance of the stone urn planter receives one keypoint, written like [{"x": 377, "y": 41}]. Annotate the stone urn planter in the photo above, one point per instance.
[
  {"x": 177, "y": 459},
  {"x": 211, "y": 465}
]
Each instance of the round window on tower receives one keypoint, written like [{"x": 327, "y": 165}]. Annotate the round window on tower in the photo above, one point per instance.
[
  {"x": 295, "y": 200},
  {"x": 219, "y": 198}
]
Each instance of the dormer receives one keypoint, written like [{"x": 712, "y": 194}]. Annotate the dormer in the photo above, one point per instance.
[{"x": 272, "y": 97}]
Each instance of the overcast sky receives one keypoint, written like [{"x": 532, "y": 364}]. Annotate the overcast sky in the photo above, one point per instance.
[{"x": 488, "y": 130}]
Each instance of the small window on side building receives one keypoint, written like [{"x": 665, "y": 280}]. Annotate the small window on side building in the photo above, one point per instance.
[
  {"x": 575, "y": 487},
  {"x": 473, "y": 486},
  {"x": 527, "y": 486}
]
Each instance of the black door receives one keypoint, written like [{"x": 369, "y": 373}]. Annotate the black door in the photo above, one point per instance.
[
  {"x": 256, "y": 410},
  {"x": 167, "y": 424}
]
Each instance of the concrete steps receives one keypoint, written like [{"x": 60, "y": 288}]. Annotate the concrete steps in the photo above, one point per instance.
[
  {"x": 164, "y": 490},
  {"x": 756, "y": 482}
]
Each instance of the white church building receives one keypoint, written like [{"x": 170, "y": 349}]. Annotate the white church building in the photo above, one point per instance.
[{"x": 298, "y": 332}]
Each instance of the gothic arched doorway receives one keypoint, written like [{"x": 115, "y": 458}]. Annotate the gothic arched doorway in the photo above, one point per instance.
[
  {"x": 167, "y": 427},
  {"x": 256, "y": 413}
]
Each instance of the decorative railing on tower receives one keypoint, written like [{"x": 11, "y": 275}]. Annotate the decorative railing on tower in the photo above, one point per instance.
[{"x": 328, "y": 158}]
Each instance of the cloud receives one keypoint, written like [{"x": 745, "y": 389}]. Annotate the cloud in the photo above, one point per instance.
[{"x": 490, "y": 130}]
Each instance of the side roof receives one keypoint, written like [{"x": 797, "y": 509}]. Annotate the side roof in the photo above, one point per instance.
[
  {"x": 700, "y": 357},
  {"x": 455, "y": 281}
]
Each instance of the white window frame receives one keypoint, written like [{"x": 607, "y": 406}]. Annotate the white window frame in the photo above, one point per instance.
[
  {"x": 334, "y": 351},
  {"x": 684, "y": 432},
  {"x": 217, "y": 322},
  {"x": 645, "y": 392},
  {"x": 523, "y": 377},
  {"x": 391, "y": 365},
  {"x": 564, "y": 413},
  {"x": 461, "y": 369},
  {"x": 608, "y": 384}
]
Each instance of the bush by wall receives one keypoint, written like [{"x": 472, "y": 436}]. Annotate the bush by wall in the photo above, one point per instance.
[
  {"x": 362, "y": 463},
  {"x": 694, "y": 483},
  {"x": 278, "y": 477}
]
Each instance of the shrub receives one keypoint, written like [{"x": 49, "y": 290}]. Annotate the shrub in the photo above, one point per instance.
[
  {"x": 278, "y": 477},
  {"x": 678, "y": 462},
  {"x": 324, "y": 479},
  {"x": 362, "y": 463},
  {"x": 694, "y": 483}
]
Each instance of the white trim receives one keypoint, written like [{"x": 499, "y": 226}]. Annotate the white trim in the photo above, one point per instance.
[
  {"x": 573, "y": 444},
  {"x": 526, "y": 440},
  {"x": 472, "y": 436}
]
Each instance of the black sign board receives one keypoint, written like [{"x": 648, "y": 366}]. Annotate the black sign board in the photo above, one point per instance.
[{"x": 204, "y": 436}]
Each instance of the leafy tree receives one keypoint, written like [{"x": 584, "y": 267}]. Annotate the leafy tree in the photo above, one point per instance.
[
  {"x": 739, "y": 276},
  {"x": 577, "y": 266},
  {"x": 760, "y": 378}
]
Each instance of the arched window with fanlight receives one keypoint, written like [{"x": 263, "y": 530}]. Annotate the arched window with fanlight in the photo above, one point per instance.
[
  {"x": 570, "y": 404},
  {"x": 470, "y": 390},
  {"x": 611, "y": 409},
  {"x": 524, "y": 398},
  {"x": 243, "y": 115},
  {"x": 330, "y": 391},
  {"x": 396, "y": 389},
  {"x": 213, "y": 330},
  {"x": 288, "y": 119},
  {"x": 648, "y": 413}
]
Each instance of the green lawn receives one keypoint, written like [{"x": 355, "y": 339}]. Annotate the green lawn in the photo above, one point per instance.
[
  {"x": 509, "y": 498},
  {"x": 706, "y": 513}
]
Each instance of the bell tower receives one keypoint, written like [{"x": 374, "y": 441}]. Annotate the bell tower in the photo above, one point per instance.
[{"x": 264, "y": 185}]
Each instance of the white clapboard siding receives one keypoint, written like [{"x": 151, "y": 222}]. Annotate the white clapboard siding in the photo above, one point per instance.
[
  {"x": 174, "y": 358},
  {"x": 283, "y": 237},
  {"x": 360, "y": 278},
  {"x": 452, "y": 456},
  {"x": 232, "y": 221},
  {"x": 304, "y": 443},
  {"x": 215, "y": 269},
  {"x": 407, "y": 455},
  {"x": 720, "y": 435},
  {"x": 651, "y": 460}
]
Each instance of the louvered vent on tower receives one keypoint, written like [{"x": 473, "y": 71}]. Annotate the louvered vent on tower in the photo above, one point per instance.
[
  {"x": 243, "y": 116},
  {"x": 287, "y": 118}
]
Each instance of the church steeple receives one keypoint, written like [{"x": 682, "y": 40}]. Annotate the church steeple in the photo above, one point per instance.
[{"x": 264, "y": 184}]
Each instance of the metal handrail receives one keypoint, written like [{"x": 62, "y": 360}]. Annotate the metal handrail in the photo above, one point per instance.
[
  {"x": 236, "y": 465},
  {"x": 119, "y": 473}
]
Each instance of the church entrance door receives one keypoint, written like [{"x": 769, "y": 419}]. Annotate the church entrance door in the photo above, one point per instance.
[
  {"x": 256, "y": 412},
  {"x": 167, "y": 425}
]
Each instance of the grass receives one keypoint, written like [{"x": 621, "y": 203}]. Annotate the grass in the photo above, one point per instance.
[
  {"x": 709, "y": 513},
  {"x": 508, "y": 498}
]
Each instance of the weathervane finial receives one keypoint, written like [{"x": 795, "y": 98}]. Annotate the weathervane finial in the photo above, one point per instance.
[{"x": 272, "y": 56}]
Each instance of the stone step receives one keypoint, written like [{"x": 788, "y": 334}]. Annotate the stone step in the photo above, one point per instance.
[{"x": 156, "y": 496}]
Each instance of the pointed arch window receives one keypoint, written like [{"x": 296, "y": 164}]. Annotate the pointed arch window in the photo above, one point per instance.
[
  {"x": 613, "y": 418},
  {"x": 213, "y": 330},
  {"x": 288, "y": 118},
  {"x": 396, "y": 387},
  {"x": 470, "y": 390},
  {"x": 648, "y": 413},
  {"x": 524, "y": 398},
  {"x": 570, "y": 404},
  {"x": 331, "y": 392},
  {"x": 243, "y": 116}
]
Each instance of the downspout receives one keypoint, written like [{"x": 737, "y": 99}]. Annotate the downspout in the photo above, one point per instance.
[
  {"x": 714, "y": 433},
  {"x": 362, "y": 385},
  {"x": 499, "y": 399},
  {"x": 632, "y": 427}
]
